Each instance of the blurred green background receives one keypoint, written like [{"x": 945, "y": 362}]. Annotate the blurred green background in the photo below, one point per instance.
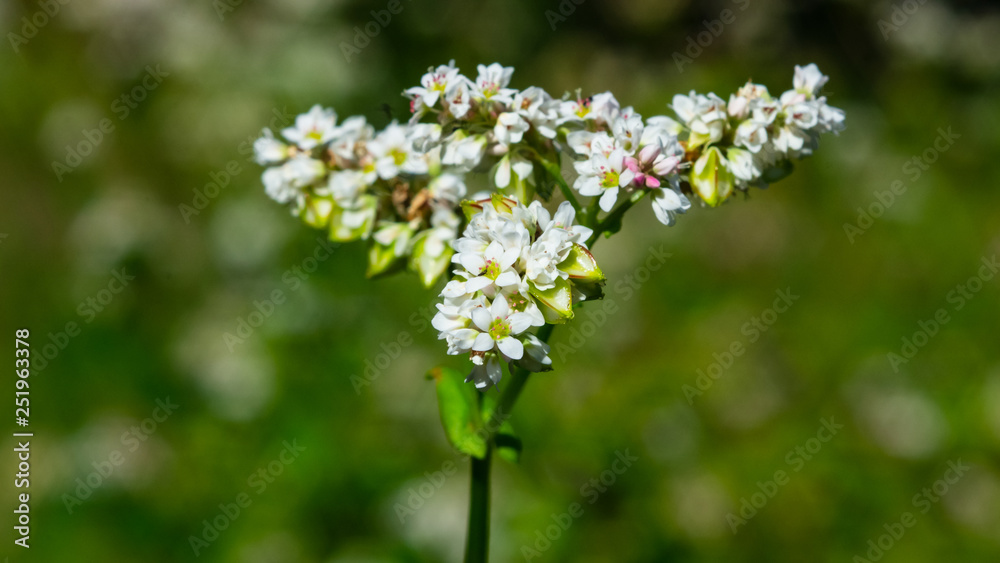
[{"x": 225, "y": 70}]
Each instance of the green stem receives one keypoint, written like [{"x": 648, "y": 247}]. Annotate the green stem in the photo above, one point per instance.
[
  {"x": 615, "y": 215},
  {"x": 477, "y": 543},
  {"x": 553, "y": 169},
  {"x": 477, "y": 540}
]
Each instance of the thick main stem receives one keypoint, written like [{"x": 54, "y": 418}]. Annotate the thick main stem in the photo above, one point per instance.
[{"x": 477, "y": 542}]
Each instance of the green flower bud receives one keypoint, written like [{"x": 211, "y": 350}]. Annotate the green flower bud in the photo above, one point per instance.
[
  {"x": 555, "y": 303},
  {"x": 581, "y": 265},
  {"x": 712, "y": 178},
  {"x": 355, "y": 223}
]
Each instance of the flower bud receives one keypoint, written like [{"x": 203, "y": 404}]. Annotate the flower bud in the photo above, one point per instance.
[{"x": 711, "y": 177}]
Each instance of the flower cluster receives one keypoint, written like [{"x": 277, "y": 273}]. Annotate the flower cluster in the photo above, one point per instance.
[
  {"x": 517, "y": 267},
  {"x": 751, "y": 139},
  {"x": 403, "y": 188},
  {"x": 359, "y": 184}
]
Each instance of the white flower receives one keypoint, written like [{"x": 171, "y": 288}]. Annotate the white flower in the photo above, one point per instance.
[
  {"x": 499, "y": 325},
  {"x": 458, "y": 98},
  {"x": 284, "y": 183},
  {"x": 751, "y": 134},
  {"x": 313, "y": 128},
  {"x": 433, "y": 86},
  {"x": 346, "y": 185},
  {"x": 447, "y": 189},
  {"x": 491, "y": 84},
  {"x": 809, "y": 80},
  {"x": 667, "y": 203},
  {"x": 351, "y": 132},
  {"x": 537, "y": 107},
  {"x": 492, "y": 269},
  {"x": 627, "y": 129},
  {"x": 604, "y": 108},
  {"x": 706, "y": 116},
  {"x": 603, "y": 175},
  {"x": 393, "y": 153},
  {"x": 268, "y": 150},
  {"x": 744, "y": 165},
  {"x": 464, "y": 152},
  {"x": 510, "y": 128}
]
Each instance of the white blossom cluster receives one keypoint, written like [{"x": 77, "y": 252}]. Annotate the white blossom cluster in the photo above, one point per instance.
[
  {"x": 751, "y": 139},
  {"x": 403, "y": 188},
  {"x": 388, "y": 186},
  {"x": 517, "y": 267}
]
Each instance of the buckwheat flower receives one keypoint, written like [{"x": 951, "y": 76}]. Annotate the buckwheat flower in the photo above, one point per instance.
[
  {"x": 284, "y": 183},
  {"x": 464, "y": 152},
  {"x": 574, "y": 111},
  {"x": 662, "y": 128},
  {"x": 667, "y": 203},
  {"x": 268, "y": 150},
  {"x": 705, "y": 116},
  {"x": 536, "y": 355},
  {"x": 510, "y": 128},
  {"x": 604, "y": 108},
  {"x": 446, "y": 189},
  {"x": 393, "y": 153},
  {"x": 349, "y": 134},
  {"x": 831, "y": 119},
  {"x": 794, "y": 124},
  {"x": 432, "y": 87},
  {"x": 603, "y": 175},
  {"x": 627, "y": 129},
  {"x": 458, "y": 98},
  {"x": 491, "y": 84},
  {"x": 537, "y": 107},
  {"x": 499, "y": 326},
  {"x": 809, "y": 80},
  {"x": 313, "y": 128},
  {"x": 423, "y": 137},
  {"x": 564, "y": 219},
  {"x": 346, "y": 185},
  {"x": 744, "y": 165},
  {"x": 491, "y": 270},
  {"x": 751, "y": 134}
]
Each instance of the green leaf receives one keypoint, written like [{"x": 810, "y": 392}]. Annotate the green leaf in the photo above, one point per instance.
[{"x": 463, "y": 426}]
